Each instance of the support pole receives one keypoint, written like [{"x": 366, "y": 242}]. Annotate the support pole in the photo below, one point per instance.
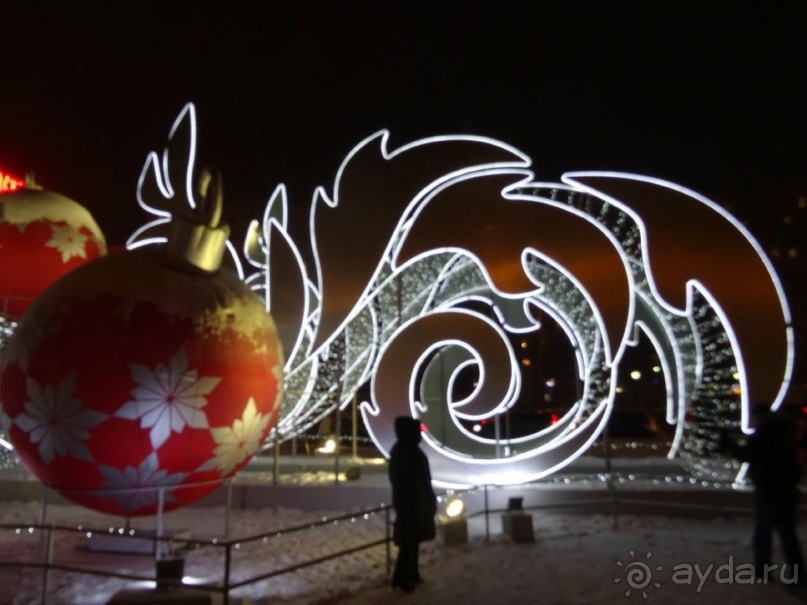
[
  {"x": 228, "y": 508},
  {"x": 355, "y": 426},
  {"x": 43, "y": 514},
  {"x": 609, "y": 474},
  {"x": 276, "y": 459},
  {"x": 487, "y": 515},
  {"x": 158, "y": 544},
  {"x": 43, "y": 504},
  {"x": 337, "y": 436}
]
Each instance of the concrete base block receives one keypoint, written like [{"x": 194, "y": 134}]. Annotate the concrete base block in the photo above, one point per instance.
[
  {"x": 164, "y": 596},
  {"x": 455, "y": 532},
  {"x": 141, "y": 544},
  {"x": 518, "y": 526}
]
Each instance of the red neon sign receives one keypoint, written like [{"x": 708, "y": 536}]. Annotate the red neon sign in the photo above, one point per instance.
[{"x": 10, "y": 183}]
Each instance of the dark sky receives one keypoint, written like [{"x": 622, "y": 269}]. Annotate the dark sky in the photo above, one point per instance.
[{"x": 707, "y": 94}]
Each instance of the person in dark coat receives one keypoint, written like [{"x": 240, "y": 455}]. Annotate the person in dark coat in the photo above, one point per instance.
[
  {"x": 413, "y": 500},
  {"x": 775, "y": 471}
]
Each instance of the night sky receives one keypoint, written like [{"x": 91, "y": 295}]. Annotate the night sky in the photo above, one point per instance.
[{"x": 709, "y": 95}]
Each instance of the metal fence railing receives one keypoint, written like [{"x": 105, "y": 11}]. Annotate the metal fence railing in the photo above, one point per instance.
[{"x": 50, "y": 536}]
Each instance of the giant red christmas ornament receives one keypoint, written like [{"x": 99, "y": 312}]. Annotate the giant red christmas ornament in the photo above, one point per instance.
[
  {"x": 143, "y": 372},
  {"x": 43, "y": 235}
]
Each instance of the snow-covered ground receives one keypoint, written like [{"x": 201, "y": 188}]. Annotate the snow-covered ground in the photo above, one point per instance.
[{"x": 576, "y": 558}]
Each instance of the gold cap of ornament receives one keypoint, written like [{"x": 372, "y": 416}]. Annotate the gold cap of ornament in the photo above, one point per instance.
[
  {"x": 198, "y": 239},
  {"x": 30, "y": 182}
]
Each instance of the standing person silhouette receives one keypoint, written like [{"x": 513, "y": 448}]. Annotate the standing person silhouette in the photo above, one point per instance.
[
  {"x": 775, "y": 471},
  {"x": 413, "y": 500}
]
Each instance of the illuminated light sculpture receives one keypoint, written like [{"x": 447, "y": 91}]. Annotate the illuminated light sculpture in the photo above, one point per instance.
[
  {"x": 451, "y": 221},
  {"x": 43, "y": 235},
  {"x": 423, "y": 262},
  {"x": 143, "y": 380}
]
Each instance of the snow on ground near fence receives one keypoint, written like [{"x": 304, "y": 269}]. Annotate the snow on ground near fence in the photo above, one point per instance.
[{"x": 576, "y": 558}]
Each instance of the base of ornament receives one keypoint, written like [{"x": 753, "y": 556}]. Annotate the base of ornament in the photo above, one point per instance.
[
  {"x": 167, "y": 596},
  {"x": 140, "y": 544}
]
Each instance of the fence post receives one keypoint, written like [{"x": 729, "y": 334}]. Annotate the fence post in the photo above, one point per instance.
[
  {"x": 389, "y": 549},
  {"x": 157, "y": 541},
  {"x": 487, "y": 515},
  {"x": 227, "y": 574},
  {"x": 48, "y": 561}
]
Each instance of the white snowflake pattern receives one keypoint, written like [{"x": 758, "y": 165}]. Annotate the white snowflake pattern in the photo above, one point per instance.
[
  {"x": 237, "y": 443},
  {"x": 56, "y": 420},
  {"x": 168, "y": 398},
  {"x": 68, "y": 241},
  {"x": 134, "y": 488}
]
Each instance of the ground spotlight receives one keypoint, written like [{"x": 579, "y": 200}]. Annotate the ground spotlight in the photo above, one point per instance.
[
  {"x": 453, "y": 525},
  {"x": 455, "y": 508},
  {"x": 329, "y": 447}
]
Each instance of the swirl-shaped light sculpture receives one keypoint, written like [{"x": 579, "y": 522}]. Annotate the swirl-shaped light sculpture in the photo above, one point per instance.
[{"x": 409, "y": 244}]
